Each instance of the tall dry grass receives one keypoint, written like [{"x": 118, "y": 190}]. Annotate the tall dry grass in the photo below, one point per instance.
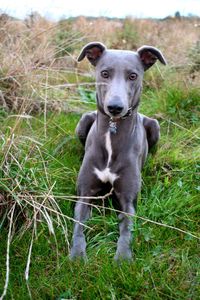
[
  {"x": 36, "y": 48},
  {"x": 174, "y": 36}
]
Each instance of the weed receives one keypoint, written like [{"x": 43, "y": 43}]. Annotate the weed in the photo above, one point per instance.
[{"x": 87, "y": 96}]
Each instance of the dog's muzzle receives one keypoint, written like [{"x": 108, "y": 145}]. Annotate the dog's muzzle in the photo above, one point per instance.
[{"x": 115, "y": 109}]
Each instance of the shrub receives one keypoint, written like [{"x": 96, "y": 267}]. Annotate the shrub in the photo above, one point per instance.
[
  {"x": 195, "y": 57},
  {"x": 127, "y": 35},
  {"x": 67, "y": 39}
]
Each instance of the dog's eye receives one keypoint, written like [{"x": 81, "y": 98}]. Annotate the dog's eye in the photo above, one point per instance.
[
  {"x": 105, "y": 74},
  {"x": 132, "y": 76}
]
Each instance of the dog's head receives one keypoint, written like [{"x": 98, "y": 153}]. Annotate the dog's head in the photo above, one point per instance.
[{"x": 119, "y": 75}]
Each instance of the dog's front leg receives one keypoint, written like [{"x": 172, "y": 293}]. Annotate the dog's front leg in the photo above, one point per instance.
[
  {"x": 126, "y": 192},
  {"x": 82, "y": 213},
  {"x": 125, "y": 237}
]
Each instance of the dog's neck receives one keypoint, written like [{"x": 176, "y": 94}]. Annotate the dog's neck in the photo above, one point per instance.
[
  {"x": 125, "y": 124},
  {"x": 118, "y": 127}
]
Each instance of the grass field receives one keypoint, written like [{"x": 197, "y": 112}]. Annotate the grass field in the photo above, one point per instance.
[{"x": 43, "y": 94}]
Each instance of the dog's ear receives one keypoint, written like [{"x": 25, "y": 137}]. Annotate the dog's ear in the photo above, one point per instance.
[
  {"x": 149, "y": 55},
  {"x": 92, "y": 51}
]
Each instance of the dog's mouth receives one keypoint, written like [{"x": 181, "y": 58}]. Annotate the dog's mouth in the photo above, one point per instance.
[
  {"x": 115, "y": 118},
  {"x": 124, "y": 116},
  {"x": 118, "y": 117}
]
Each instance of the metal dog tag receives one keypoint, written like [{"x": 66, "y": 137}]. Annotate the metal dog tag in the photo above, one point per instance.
[{"x": 112, "y": 126}]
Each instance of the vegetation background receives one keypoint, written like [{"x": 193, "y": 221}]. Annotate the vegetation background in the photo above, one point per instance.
[{"x": 43, "y": 93}]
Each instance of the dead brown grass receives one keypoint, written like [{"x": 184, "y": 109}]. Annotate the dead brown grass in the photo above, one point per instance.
[
  {"x": 29, "y": 52},
  {"x": 174, "y": 36}
]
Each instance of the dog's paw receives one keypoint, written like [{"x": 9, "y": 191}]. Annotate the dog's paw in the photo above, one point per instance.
[
  {"x": 125, "y": 255},
  {"x": 77, "y": 253}
]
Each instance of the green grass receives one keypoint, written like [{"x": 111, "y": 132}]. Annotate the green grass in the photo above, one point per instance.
[{"x": 39, "y": 160}]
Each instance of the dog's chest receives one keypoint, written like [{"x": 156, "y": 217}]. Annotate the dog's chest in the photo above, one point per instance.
[{"x": 106, "y": 175}]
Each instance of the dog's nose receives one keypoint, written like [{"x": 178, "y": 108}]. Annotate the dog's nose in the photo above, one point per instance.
[{"x": 115, "y": 109}]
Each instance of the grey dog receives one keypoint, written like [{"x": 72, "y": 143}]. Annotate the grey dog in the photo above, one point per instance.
[{"x": 116, "y": 137}]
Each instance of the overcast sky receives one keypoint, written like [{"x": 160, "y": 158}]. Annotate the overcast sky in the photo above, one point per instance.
[{"x": 57, "y": 9}]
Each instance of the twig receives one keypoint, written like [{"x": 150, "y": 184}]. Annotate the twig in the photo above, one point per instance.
[
  {"x": 35, "y": 205},
  {"x": 74, "y": 199},
  {"x": 8, "y": 253},
  {"x": 85, "y": 197},
  {"x": 26, "y": 274},
  {"x": 45, "y": 106}
]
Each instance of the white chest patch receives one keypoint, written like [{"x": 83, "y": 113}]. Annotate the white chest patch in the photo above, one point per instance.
[{"x": 106, "y": 175}]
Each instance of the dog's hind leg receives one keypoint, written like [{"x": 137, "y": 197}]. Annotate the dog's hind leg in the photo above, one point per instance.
[
  {"x": 84, "y": 125},
  {"x": 152, "y": 128}
]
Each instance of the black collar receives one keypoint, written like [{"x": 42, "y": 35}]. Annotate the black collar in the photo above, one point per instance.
[{"x": 130, "y": 110}]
